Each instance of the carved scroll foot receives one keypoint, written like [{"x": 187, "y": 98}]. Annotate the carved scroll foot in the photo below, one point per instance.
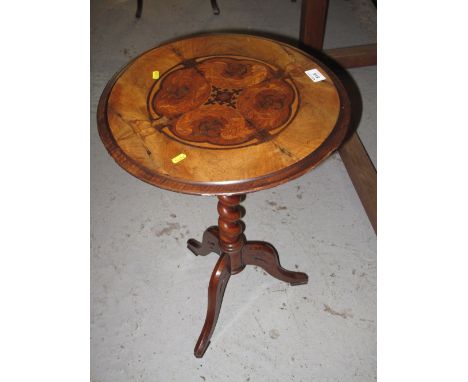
[
  {"x": 265, "y": 256},
  {"x": 210, "y": 243},
  {"x": 218, "y": 282}
]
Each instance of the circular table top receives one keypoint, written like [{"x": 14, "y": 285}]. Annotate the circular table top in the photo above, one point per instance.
[{"x": 222, "y": 114}]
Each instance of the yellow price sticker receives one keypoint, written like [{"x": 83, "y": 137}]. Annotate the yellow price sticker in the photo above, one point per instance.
[
  {"x": 155, "y": 74},
  {"x": 179, "y": 158}
]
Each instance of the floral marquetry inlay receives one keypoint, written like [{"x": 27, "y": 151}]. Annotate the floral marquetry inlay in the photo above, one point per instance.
[{"x": 222, "y": 102}]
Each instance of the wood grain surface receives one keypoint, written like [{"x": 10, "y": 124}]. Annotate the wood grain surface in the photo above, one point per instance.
[
  {"x": 363, "y": 175},
  {"x": 240, "y": 109},
  {"x": 354, "y": 56}
]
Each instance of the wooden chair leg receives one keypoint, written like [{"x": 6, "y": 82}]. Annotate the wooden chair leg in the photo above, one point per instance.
[
  {"x": 215, "y": 7},
  {"x": 218, "y": 282},
  {"x": 139, "y": 8}
]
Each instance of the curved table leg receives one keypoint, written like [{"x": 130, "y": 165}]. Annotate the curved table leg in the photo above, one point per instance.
[
  {"x": 265, "y": 256},
  {"x": 219, "y": 279},
  {"x": 210, "y": 243}
]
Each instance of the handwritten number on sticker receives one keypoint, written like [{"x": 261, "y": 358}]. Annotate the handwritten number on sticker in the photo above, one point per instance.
[{"x": 315, "y": 75}]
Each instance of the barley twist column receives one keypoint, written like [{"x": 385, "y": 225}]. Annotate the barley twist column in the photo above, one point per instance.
[{"x": 231, "y": 237}]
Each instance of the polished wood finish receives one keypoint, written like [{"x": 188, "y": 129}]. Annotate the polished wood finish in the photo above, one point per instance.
[
  {"x": 363, "y": 175},
  {"x": 264, "y": 255},
  {"x": 209, "y": 243},
  {"x": 219, "y": 279},
  {"x": 225, "y": 115},
  {"x": 228, "y": 241},
  {"x": 354, "y": 56},
  {"x": 231, "y": 237},
  {"x": 239, "y": 107}
]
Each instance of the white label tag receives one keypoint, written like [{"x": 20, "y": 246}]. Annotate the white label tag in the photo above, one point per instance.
[{"x": 315, "y": 75}]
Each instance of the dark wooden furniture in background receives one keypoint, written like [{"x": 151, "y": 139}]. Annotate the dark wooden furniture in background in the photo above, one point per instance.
[
  {"x": 214, "y": 6},
  {"x": 139, "y": 8},
  {"x": 355, "y": 158},
  {"x": 224, "y": 115}
]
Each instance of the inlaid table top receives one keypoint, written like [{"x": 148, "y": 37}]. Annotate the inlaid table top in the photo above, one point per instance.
[{"x": 222, "y": 114}]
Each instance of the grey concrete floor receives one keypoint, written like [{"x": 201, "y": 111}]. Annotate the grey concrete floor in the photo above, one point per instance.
[{"x": 148, "y": 292}]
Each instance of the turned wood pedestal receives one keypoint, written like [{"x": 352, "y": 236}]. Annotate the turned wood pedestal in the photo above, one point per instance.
[
  {"x": 224, "y": 115},
  {"x": 228, "y": 241}
]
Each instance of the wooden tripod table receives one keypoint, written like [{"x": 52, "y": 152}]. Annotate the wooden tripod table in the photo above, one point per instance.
[{"x": 225, "y": 115}]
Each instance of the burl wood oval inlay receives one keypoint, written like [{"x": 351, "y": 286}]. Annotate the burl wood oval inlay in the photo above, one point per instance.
[
  {"x": 222, "y": 102},
  {"x": 239, "y": 108},
  {"x": 181, "y": 91}
]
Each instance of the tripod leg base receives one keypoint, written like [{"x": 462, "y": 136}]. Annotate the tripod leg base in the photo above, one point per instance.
[
  {"x": 265, "y": 256},
  {"x": 219, "y": 279},
  {"x": 209, "y": 244}
]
